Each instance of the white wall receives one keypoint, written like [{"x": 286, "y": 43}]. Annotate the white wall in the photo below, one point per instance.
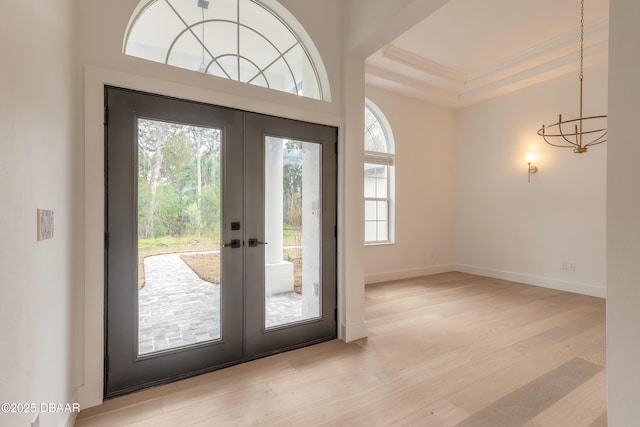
[
  {"x": 350, "y": 203},
  {"x": 37, "y": 170},
  {"x": 511, "y": 229},
  {"x": 424, "y": 190},
  {"x": 623, "y": 214}
]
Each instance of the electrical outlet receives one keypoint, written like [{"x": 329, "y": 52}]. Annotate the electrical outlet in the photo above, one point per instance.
[
  {"x": 564, "y": 266},
  {"x": 572, "y": 266},
  {"x": 45, "y": 224}
]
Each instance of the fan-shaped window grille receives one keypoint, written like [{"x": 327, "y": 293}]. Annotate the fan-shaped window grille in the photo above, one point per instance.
[
  {"x": 241, "y": 40},
  {"x": 379, "y": 173}
]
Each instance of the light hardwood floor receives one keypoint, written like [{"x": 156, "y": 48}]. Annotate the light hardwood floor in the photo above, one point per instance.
[{"x": 445, "y": 350}]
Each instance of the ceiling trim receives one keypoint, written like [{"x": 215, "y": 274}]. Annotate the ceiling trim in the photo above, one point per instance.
[
  {"x": 548, "y": 47},
  {"x": 418, "y": 85},
  {"x": 594, "y": 54},
  {"x": 422, "y": 64}
]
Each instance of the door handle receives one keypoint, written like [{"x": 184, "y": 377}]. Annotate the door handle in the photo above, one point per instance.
[
  {"x": 234, "y": 244},
  {"x": 253, "y": 243}
]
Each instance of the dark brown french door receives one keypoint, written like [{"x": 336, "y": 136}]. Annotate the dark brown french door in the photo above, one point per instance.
[{"x": 219, "y": 237}]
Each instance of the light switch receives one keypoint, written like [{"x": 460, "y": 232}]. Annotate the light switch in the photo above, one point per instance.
[{"x": 45, "y": 224}]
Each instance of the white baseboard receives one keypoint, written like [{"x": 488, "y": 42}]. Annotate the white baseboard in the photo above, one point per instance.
[
  {"x": 353, "y": 332},
  {"x": 407, "y": 274},
  {"x": 545, "y": 282}
]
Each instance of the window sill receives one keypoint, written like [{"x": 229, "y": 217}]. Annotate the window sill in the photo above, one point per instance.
[{"x": 379, "y": 244}]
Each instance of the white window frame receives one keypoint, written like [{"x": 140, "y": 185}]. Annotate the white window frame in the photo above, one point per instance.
[
  {"x": 387, "y": 160},
  {"x": 311, "y": 74}
]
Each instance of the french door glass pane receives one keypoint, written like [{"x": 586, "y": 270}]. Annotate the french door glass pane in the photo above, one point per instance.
[
  {"x": 179, "y": 208},
  {"x": 293, "y": 221}
]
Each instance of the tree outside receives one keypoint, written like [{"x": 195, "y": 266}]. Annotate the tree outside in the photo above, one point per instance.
[
  {"x": 179, "y": 206},
  {"x": 179, "y": 197}
]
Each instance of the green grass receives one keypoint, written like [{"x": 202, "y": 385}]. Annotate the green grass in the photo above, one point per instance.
[
  {"x": 168, "y": 242},
  {"x": 193, "y": 243},
  {"x": 289, "y": 237}
]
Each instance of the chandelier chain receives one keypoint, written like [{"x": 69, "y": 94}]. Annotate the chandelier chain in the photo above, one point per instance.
[
  {"x": 203, "y": 42},
  {"x": 581, "y": 38}
]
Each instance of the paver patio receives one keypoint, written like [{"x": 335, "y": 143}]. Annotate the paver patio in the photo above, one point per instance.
[{"x": 176, "y": 307}]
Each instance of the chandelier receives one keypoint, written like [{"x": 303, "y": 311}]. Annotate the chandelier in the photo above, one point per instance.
[{"x": 580, "y": 133}]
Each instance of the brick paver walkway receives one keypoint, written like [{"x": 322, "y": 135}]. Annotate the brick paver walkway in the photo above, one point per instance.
[{"x": 176, "y": 307}]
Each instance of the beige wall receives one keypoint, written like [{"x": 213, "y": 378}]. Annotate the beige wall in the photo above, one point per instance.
[
  {"x": 38, "y": 164},
  {"x": 424, "y": 190},
  {"x": 623, "y": 214},
  {"x": 511, "y": 229}
]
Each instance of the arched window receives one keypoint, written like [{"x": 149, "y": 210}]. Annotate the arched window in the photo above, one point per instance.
[
  {"x": 241, "y": 40},
  {"x": 379, "y": 162}
]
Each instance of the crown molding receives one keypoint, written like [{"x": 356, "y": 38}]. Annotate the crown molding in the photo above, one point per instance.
[
  {"x": 409, "y": 82},
  {"x": 547, "y": 48},
  {"x": 594, "y": 54},
  {"x": 424, "y": 65}
]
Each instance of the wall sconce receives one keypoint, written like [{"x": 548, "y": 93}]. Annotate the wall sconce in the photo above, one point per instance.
[{"x": 531, "y": 169}]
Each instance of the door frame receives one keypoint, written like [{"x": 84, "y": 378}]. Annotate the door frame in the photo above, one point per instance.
[{"x": 90, "y": 296}]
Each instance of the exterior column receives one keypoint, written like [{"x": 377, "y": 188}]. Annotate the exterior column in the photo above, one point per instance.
[
  {"x": 311, "y": 230},
  {"x": 274, "y": 195},
  {"x": 278, "y": 273}
]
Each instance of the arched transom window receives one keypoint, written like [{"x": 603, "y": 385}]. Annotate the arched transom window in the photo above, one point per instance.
[
  {"x": 379, "y": 173},
  {"x": 241, "y": 40}
]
